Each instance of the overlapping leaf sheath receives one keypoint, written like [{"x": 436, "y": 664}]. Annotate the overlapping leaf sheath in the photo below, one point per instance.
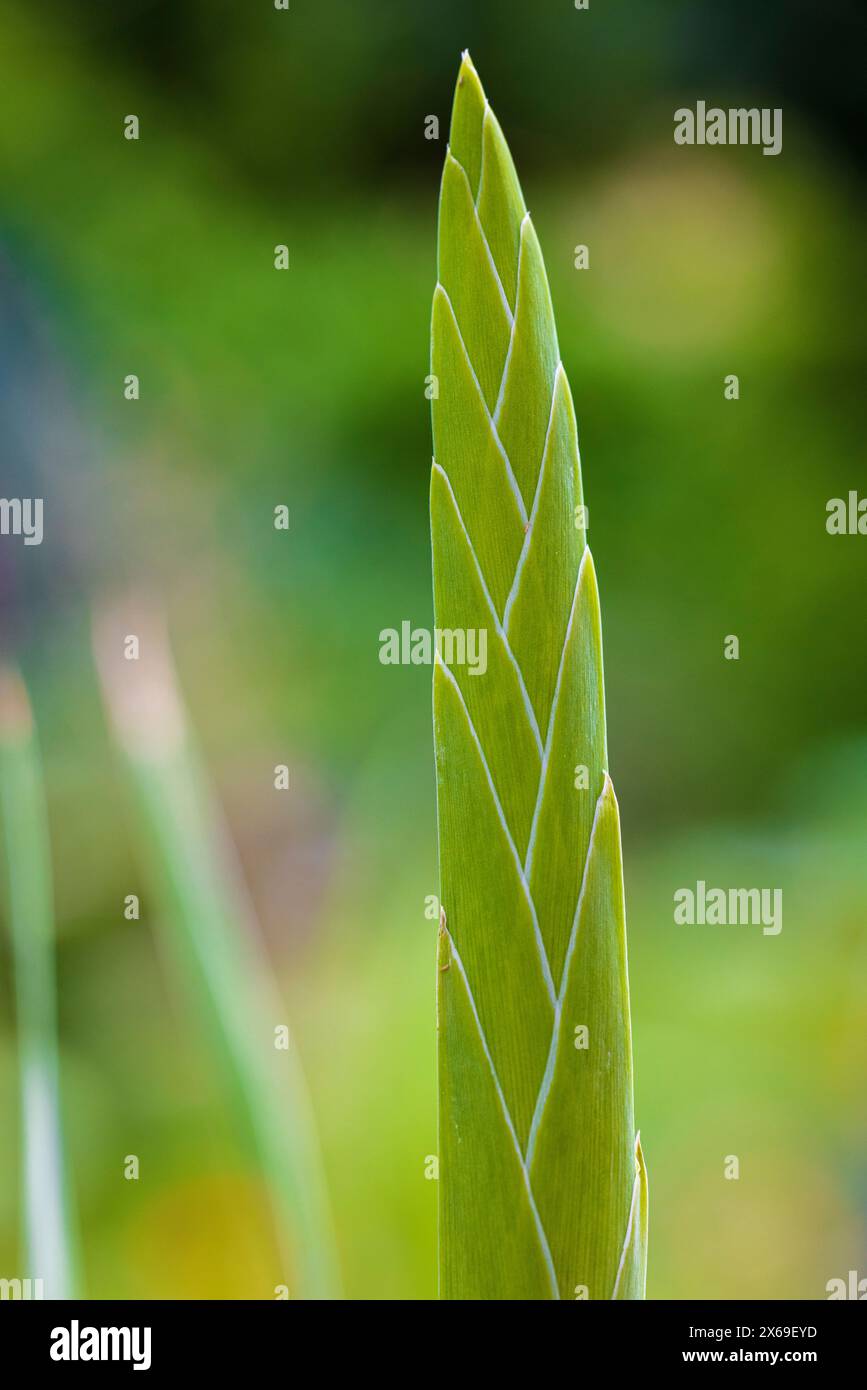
[{"x": 542, "y": 1183}]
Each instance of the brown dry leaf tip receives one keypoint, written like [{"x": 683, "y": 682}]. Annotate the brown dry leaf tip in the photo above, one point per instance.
[
  {"x": 15, "y": 714},
  {"x": 140, "y": 694}
]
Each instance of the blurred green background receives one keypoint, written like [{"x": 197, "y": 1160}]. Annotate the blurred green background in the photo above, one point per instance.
[{"x": 258, "y": 387}]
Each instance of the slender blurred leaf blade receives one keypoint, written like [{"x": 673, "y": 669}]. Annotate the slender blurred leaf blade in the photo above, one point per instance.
[
  {"x": 211, "y": 934},
  {"x": 543, "y": 1189},
  {"x": 49, "y": 1239}
]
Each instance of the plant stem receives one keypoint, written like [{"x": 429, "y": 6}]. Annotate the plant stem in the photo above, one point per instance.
[
  {"x": 212, "y": 937},
  {"x": 50, "y": 1248}
]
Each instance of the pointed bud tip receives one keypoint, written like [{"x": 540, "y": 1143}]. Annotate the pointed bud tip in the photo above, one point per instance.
[
  {"x": 469, "y": 81},
  {"x": 468, "y": 110}
]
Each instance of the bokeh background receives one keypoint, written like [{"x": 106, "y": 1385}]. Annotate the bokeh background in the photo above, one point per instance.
[{"x": 306, "y": 387}]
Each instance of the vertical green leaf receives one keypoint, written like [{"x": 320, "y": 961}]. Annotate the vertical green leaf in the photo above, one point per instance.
[
  {"x": 211, "y": 935},
  {"x": 49, "y": 1243},
  {"x": 543, "y": 1190}
]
